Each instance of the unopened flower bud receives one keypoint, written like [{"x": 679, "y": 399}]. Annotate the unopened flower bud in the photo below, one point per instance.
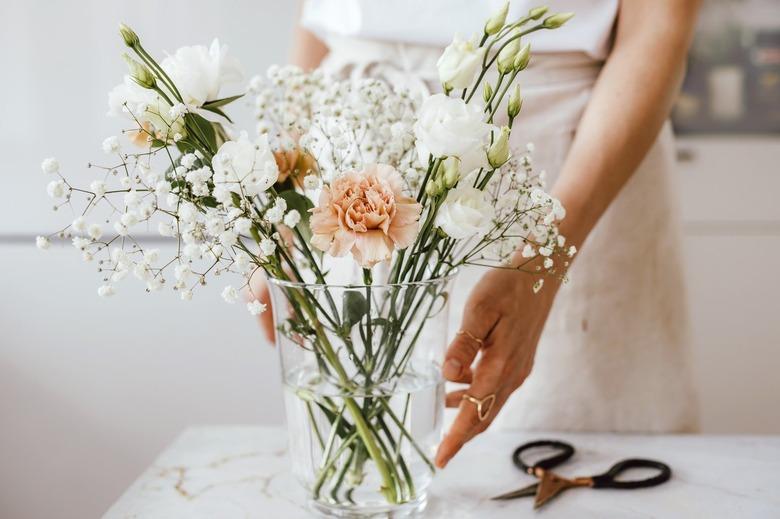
[
  {"x": 522, "y": 58},
  {"x": 451, "y": 174},
  {"x": 431, "y": 188},
  {"x": 140, "y": 73},
  {"x": 496, "y": 22},
  {"x": 487, "y": 92},
  {"x": 498, "y": 153},
  {"x": 515, "y": 103},
  {"x": 506, "y": 58},
  {"x": 537, "y": 12},
  {"x": 130, "y": 37},
  {"x": 556, "y": 20}
]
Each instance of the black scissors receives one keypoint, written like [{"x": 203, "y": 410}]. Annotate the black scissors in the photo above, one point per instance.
[{"x": 551, "y": 484}]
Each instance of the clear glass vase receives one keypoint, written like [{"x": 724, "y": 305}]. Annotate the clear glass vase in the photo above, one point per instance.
[{"x": 364, "y": 396}]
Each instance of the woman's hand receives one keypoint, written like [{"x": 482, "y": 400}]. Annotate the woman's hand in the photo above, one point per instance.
[{"x": 503, "y": 320}]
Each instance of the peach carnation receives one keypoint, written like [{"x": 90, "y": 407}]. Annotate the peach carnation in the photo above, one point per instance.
[{"x": 366, "y": 213}]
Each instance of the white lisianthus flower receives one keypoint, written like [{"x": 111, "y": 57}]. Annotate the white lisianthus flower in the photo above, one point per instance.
[
  {"x": 245, "y": 167},
  {"x": 56, "y": 189},
  {"x": 292, "y": 218},
  {"x": 450, "y": 127},
  {"x": 42, "y": 242},
  {"x": 199, "y": 71},
  {"x": 111, "y": 144},
  {"x": 256, "y": 307},
  {"x": 230, "y": 294},
  {"x": 465, "y": 212},
  {"x": 50, "y": 166},
  {"x": 186, "y": 295},
  {"x": 459, "y": 63},
  {"x": 106, "y": 291}
]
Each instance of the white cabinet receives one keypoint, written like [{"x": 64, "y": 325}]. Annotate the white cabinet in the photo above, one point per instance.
[{"x": 730, "y": 196}]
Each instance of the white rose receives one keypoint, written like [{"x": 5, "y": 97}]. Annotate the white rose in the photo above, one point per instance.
[
  {"x": 199, "y": 72},
  {"x": 465, "y": 212},
  {"x": 244, "y": 166},
  {"x": 448, "y": 126},
  {"x": 458, "y": 63}
]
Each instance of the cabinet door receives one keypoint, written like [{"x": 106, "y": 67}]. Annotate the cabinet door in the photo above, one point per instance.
[{"x": 729, "y": 191}]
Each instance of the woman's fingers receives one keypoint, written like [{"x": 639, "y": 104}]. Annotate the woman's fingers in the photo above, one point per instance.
[
  {"x": 471, "y": 337},
  {"x": 487, "y": 382}
]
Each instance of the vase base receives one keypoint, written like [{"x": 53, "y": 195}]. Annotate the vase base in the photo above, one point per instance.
[{"x": 409, "y": 509}]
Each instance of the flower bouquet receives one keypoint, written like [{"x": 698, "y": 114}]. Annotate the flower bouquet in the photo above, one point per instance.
[{"x": 358, "y": 202}]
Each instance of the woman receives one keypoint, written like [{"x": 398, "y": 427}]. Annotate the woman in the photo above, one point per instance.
[{"x": 609, "y": 349}]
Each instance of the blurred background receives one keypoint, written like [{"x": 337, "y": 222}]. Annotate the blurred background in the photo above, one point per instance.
[{"x": 91, "y": 390}]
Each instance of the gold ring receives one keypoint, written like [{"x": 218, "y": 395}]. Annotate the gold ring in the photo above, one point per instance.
[
  {"x": 488, "y": 402},
  {"x": 472, "y": 337}
]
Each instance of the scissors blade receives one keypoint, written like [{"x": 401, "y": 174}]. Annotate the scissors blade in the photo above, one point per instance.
[
  {"x": 530, "y": 490},
  {"x": 552, "y": 485}
]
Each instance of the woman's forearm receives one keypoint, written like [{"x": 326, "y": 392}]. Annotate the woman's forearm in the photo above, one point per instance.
[
  {"x": 630, "y": 102},
  {"x": 307, "y": 50}
]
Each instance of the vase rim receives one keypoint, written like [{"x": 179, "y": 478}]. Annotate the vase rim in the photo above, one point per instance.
[{"x": 317, "y": 286}]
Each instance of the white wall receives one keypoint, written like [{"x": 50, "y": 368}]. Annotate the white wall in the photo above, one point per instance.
[{"x": 83, "y": 408}]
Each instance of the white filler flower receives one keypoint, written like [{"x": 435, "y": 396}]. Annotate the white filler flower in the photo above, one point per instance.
[
  {"x": 42, "y": 242},
  {"x": 245, "y": 167},
  {"x": 50, "y": 166},
  {"x": 230, "y": 294},
  {"x": 465, "y": 212},
  {"x": 256, "y": 307}
]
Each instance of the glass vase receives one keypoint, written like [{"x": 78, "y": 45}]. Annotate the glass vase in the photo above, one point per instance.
[{"x": 364, "y": 396}]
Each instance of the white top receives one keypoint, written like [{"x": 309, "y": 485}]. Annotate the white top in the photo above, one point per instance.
[
  {"x": 244, "y": 472},
  {"x": 435, "y": 22}
]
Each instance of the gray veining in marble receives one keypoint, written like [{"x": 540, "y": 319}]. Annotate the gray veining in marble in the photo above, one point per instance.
[{"x": 242, "y": 472}]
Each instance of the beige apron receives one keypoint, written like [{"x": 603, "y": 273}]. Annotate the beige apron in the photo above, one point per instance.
[{"x": 614, "y": 353}]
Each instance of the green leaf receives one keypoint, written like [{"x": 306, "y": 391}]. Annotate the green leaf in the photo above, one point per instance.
[
  {"x": 302, "y": 204},
  {"x": 221, "y": 102},
  {"x": 202, "y": 129},
  {"x": 208, "y": 201},
  {"x": 354, "y": 307},
  {"x": 217, "y": 111}
]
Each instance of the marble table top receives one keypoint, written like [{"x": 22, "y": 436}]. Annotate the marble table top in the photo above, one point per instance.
[{"x": 242, "y": 472}]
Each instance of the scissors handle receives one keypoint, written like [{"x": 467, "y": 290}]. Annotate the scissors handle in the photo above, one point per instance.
[
  {"x": 608, "y": 479},
  {"x": 565, "y": 451}
]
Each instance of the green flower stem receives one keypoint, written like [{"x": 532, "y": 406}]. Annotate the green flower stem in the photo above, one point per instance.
[
  {"x": 325, "y": 469},
  {"x": 363, "y": 429},
  {"x": 489, "y": 64}
]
